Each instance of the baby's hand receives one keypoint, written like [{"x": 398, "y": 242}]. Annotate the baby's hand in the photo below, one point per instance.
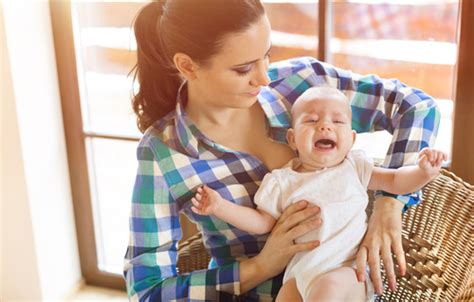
[
  {"x": 206, "y": 201},
  {"x": 430, "y": 160}
]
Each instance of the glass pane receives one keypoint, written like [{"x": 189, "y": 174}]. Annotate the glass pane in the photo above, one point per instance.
[
  {"x": 414, "y": 41},
  {"x": 293, "y": 38},
  {"x": 112, "y": 167},
  {"x": 106, "y": 52}
]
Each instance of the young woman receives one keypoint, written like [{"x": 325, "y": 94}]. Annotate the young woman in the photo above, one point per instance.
[{"x": 213, "y": 112}]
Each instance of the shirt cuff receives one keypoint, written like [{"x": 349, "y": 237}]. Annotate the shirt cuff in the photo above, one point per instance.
[
  {"x": 228, "y": 278},
  {"x": 407, "y": 200}
]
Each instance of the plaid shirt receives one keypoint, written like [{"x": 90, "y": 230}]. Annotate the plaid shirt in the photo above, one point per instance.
[{"x": 174, "y": 158}]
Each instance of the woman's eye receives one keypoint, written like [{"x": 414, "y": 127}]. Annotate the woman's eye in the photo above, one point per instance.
[{"x": 243, "y": 71}]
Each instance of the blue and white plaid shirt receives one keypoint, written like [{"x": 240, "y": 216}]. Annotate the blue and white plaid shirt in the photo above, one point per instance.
[{"x": 174, "y": 158}]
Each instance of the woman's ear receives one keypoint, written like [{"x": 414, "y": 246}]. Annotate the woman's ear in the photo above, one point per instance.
[
  {"x": 290, "y": 137},
  {"x": 185, "y": 65}
]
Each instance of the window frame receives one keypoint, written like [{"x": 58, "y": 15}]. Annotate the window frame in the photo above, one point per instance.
[
  {"x": 463, "y": 122},
  {"x": 63, "y": 35},
  {"x": 61, "y": 18}
]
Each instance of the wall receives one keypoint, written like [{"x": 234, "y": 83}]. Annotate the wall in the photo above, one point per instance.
[{"x": 39, "y": 245}]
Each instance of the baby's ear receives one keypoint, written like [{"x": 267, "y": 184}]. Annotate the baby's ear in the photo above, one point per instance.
[
  {"x": 354, "y": 136},
  {"x": 290, "y": 137}
]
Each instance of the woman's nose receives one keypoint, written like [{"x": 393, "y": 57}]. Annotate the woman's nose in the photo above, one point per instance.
[{"x": 261, "y": 77}]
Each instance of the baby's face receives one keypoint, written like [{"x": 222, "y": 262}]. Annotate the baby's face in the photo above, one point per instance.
[{"x": 322, "y": 132}]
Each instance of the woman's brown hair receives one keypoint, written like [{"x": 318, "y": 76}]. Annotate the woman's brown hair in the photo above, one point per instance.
[{"x": 194, "y": 27}]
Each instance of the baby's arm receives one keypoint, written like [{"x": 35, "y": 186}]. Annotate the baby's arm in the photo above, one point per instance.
[
  {"x": 209, "y": 202},
  {"x": 408, "y": 179}
]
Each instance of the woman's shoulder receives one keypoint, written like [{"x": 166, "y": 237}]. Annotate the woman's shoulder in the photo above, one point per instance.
[
  {"x": 160, "y": 132},
  {"x": 282, "y": 69}
]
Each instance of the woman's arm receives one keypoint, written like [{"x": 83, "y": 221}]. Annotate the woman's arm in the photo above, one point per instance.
[
  {"x": 413, "y": 118},
  {"x": 377, "y": 104},
  {"x": 150, "y": 261}
]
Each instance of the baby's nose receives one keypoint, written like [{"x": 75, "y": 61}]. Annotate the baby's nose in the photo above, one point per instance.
[{"x": 325, "y": 127}]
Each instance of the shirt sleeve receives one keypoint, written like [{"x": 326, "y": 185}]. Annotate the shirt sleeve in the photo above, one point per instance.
[
  {"x": 150, "y": 262},
  {"x": 409, "y": 114},
  {"x": 268, "y": 197},
  {"x": 362, "y": 164}
]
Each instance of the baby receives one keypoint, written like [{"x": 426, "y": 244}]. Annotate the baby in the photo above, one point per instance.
[{"x": 328, "y": 174}]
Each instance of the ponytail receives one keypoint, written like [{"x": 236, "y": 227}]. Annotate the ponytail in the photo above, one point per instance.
[{"x": 159, "y": 81}]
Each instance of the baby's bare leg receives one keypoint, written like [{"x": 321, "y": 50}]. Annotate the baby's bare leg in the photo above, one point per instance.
[
  {"x": 339, "y": 284},
  {"x": 289, "y": 292}
]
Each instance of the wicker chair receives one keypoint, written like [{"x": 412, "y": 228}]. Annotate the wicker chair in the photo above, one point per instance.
[{"x": 437, "y": 239}]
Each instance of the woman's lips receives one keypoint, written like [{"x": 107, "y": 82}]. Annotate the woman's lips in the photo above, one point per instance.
[{"x": 253, "y": 94}]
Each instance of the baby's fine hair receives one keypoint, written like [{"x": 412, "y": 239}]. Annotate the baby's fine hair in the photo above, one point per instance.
[{"x": 318, "y": 92}]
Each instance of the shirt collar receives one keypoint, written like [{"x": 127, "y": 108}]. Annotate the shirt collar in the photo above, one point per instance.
[
  {"x": 186, "y": 131},
  {"x": 276, "y": 110}
]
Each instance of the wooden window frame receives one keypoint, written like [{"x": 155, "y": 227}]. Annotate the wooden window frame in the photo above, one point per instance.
[
  {"x": 463, "y": 137},
  {"x": 61, "y": 20},
  {"x": 61, "y": 17}
]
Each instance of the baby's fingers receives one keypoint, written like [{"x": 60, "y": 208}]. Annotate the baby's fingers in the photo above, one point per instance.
[
  {"x": 423, "y": 160},
  {"x": 440, "y": 157},
  {"x": 425, "y": 151},
  {"x": 196, "y": 203},
  {"x": 196, "y": 210}
]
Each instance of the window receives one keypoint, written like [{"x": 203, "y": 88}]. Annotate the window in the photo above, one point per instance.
[{"x": 415, "y": 41}]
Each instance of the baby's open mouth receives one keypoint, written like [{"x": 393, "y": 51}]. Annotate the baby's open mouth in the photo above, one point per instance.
[{"x": 325, "y": 144}]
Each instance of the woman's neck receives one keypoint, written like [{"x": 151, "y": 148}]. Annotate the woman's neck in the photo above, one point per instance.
[{"x": 206, "y": 115}]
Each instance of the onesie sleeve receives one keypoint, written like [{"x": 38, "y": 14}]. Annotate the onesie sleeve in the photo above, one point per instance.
[
  {"x": 362, "y": 164},
  {"x": 268, "y": 196}
]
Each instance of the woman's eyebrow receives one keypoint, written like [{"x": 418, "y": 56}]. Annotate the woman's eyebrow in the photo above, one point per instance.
[{"x": 250, "y": 62}]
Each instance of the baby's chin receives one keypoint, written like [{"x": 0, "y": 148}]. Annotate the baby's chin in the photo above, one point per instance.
[{"x": 318, "y": 164}]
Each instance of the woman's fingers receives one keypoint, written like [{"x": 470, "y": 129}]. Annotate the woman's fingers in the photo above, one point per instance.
[
  {"x": 304, "y": 228},
  {"x": 296, "y": 216},
  {"x": 302, "y": 247},
  {"x": 300, "y": 205},
  {"x": 374, "y": 267},
  {"x": 361, "y": 263},
  {"x": 297, "y": 220},
  {"x": 400, "y": 255},
  {"x": 389, "y": 268}
]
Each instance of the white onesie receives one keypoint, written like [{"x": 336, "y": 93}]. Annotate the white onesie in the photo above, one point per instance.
[{"x": 341, "y": 193}]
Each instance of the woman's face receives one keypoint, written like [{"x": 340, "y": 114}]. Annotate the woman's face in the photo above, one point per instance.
[{"x": 233, "y": 77}]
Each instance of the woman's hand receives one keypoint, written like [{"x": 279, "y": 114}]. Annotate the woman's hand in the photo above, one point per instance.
[
  {"x": 384, "y": 235},
  {"x": 297, "y": 220}
]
